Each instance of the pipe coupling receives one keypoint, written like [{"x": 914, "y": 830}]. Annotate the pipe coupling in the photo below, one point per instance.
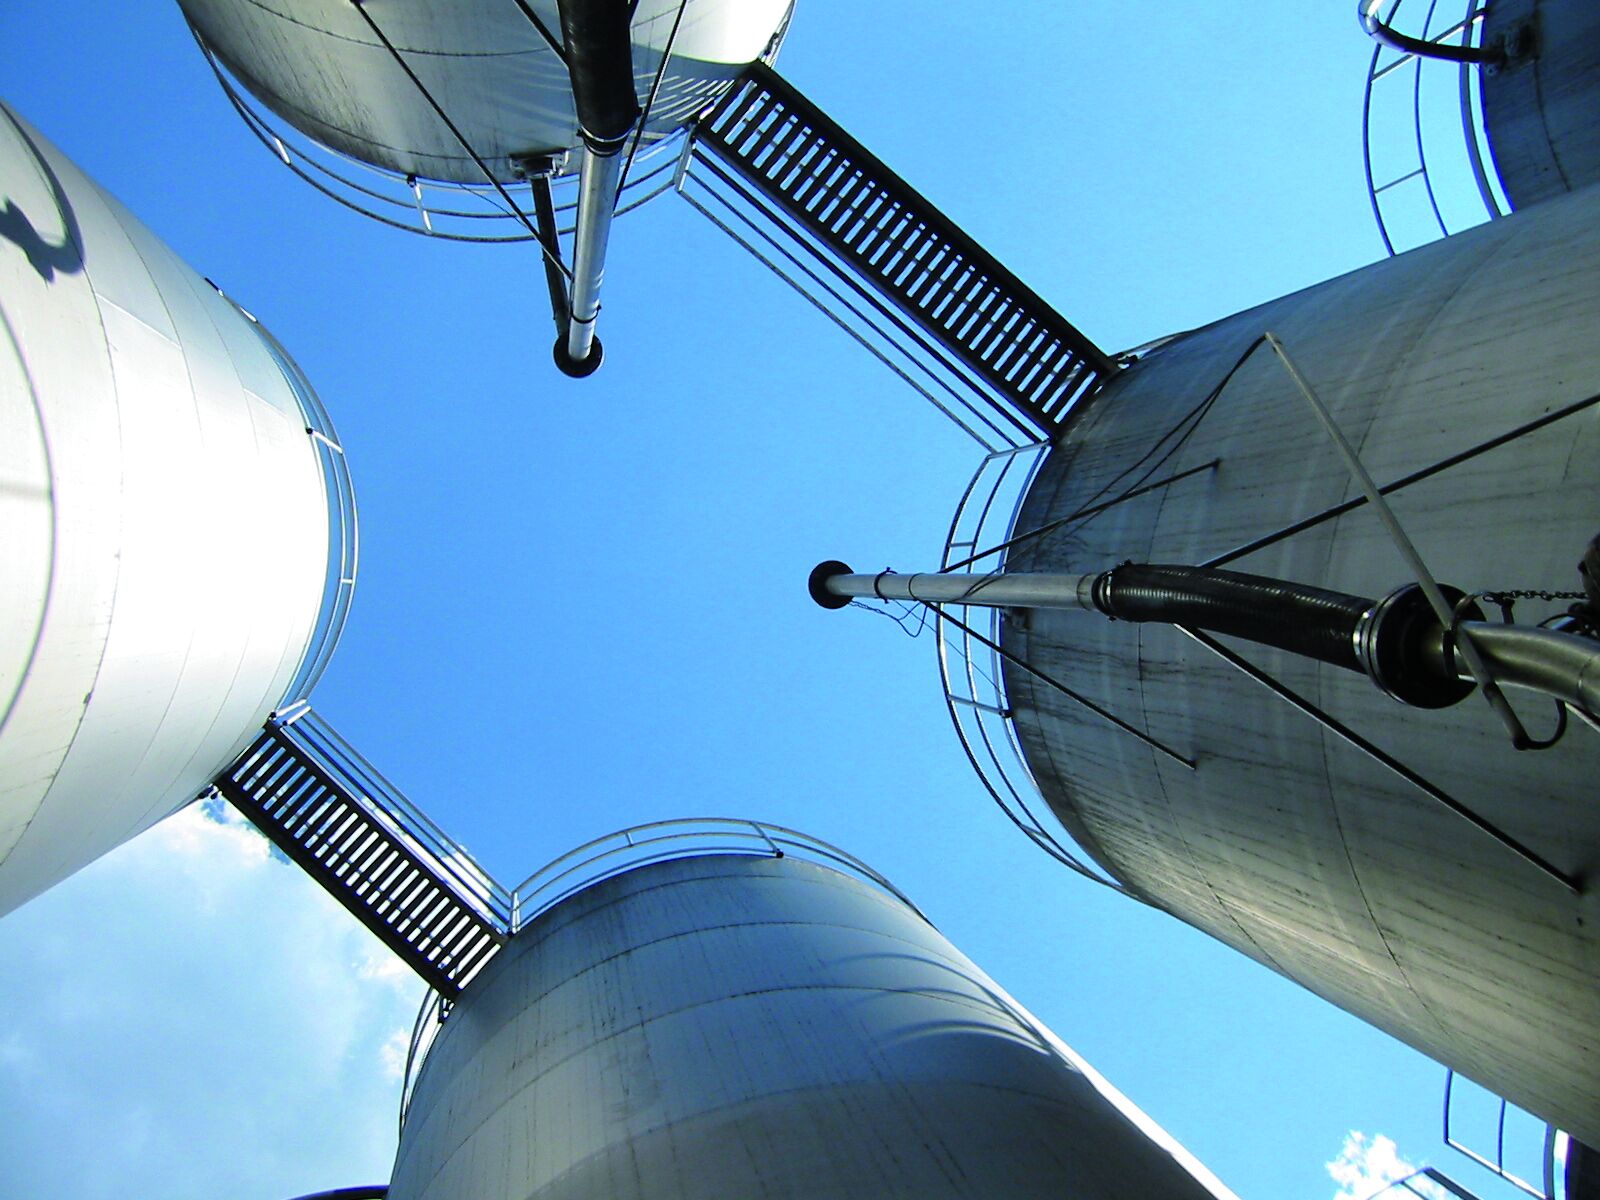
[{"x": 1401, "y": 645}]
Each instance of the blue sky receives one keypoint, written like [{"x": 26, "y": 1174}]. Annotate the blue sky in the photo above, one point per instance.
[{"x": 582, "y": 605}]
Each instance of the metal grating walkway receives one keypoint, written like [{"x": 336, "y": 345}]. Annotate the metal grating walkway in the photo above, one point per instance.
[
  {"x": 841, "y": 194},
  {"x": 303, "y": 787}
]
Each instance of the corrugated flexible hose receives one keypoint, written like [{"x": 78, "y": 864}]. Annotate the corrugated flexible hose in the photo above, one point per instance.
[{"x": 1291, "y": 616}]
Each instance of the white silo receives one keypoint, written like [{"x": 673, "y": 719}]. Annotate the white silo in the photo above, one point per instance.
[
  {"x": 691, "y": 1019},
  {"x": 176, "y": 521},
  {"x": 480, "y": 97}
]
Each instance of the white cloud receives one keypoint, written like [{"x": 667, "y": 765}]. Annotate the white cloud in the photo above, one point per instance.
[
  {"x": 1367, "y": 1166},
  {"x": 393, "y": 1055},
  {"x": 192, "y": 1017}
]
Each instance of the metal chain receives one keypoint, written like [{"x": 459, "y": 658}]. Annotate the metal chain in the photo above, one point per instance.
[
  {"x": 1527, "y": 594},
  {"x": 1507, "y": 600}
]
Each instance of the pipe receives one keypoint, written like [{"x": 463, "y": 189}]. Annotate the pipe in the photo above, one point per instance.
[
  {"x": 1388, "y": 640},
  {"x": 1395, "y": 641},
  {"x": 1372, "y": 24},
  {"x": 1272, "y": 612},
  {"x": 1305, "y": 620},
  {"x": 579, "y": 353},
  {"x": 600, "y": 62},
  {"x": 833, "y": 586},
  {"x": 549, "y": 238},
  {"x": 1564, "y": 666}
]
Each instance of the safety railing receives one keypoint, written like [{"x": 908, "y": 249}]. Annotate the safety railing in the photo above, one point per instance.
[
  {"x": 819, "y": 210},
  {"x": 1428, "y": 1182},
  {"x": 1535, "y": 1145},
  {"x": 430, "y": 1019},
  {"x": 459, "y": 212},
  {"x": 1428, "y": 167},
  {"x": 371, "y": 850},
  {"x": 689, "y": 837},
  {"x": 471, "y": 883},
  {"x": 625, "y": 850},
  {"x": 970, "y": 665},
  {"x": 343, "y": 530}
]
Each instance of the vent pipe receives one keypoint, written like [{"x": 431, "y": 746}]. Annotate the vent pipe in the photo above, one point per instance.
[
  {"x": 600, "y": 62},
  {"x": 1395, "y": 641}
]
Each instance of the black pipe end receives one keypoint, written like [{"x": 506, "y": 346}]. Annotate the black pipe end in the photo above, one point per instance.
[
  {"x": 577, "y": 368},
  {"x": 817, "y": 585}
]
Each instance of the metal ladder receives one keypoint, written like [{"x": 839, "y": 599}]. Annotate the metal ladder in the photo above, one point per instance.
[
  {"x": 380, "y": 857},
  {"x": 810, "y": 171}
]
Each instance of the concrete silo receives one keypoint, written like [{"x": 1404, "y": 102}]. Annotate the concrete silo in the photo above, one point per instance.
[
  {"x": 448, "y": 108},
  {"x": 689, "y": 1018},
  {"x": 178, "y": 527},
  {"x": 1223, "y": 754}
]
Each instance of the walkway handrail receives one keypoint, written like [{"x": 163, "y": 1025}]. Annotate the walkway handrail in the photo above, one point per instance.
[
  {"x": 625, "y": 850},
  {"x": 430, "y": 1017},
  {"x": 313, "y": 736},
  {"x": 970, "y": 671},
  {"x": 403, "y": 202},
  {"x": 1468, "y": 58},
  {"x": 908, "y": 283},
  {"x": 687, "y": 837},
  {"x": 1546, "y": 1188},
  {"x": 344, "y": 544}
]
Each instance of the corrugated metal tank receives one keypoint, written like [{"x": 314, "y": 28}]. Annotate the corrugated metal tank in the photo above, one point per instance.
[
  {"x": 1539, "y": 108},
  {"x": 318, "y": 65},
  {"x": 1285, "y": 842},
  {"x": 737, "y": 1026},
  {"x": 164, "y": 525}
]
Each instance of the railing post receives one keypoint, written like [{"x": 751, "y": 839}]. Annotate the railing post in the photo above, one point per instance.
[{"x": 766, "y": 837}]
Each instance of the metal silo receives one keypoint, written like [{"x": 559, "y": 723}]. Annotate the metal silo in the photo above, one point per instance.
[
  {"x": 1421, "y": 858},
  {"x": 436, "y": 114},
  {"x": 1330, "y": 859},
  {"x": 727, "y": 1009},
  {"x": 1539, "y": 96},
  {"x": 178, "y": 526}
]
